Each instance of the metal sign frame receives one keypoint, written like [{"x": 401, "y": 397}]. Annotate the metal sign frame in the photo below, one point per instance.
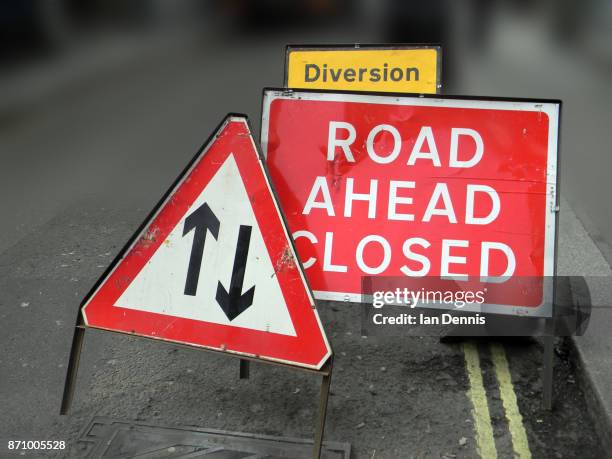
[
  {"x": 369, "y": 47},
  {"x": 325, "y": 370},
  {"x": 551, "y": 107},
  {"x": 141, "y": 235},
  {"x": 548, "y": 354}
]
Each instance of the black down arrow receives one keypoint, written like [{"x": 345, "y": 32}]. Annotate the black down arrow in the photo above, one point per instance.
[{"x": 235, "y": 302}]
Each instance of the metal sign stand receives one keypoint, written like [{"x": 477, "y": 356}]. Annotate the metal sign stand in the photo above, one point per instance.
[
  {"x": 73, "y": 365},
  {"x": 548, "y": 366},
  {"x": 325, "y": 372},
  {"x": 548, "y": 361}
]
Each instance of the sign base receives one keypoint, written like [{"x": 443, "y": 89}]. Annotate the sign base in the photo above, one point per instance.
[{"x": 317, "y": 447}]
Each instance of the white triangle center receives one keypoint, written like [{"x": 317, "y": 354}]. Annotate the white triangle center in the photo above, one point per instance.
[{"x": 160, "y": 285}]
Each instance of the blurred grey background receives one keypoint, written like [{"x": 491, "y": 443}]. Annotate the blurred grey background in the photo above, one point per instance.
[{"x": 103, "y": 102}]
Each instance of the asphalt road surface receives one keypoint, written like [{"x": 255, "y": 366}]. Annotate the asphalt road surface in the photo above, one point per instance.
[{"x": 391, "y": 396}]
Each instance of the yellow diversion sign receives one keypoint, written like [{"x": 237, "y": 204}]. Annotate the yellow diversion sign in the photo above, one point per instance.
[{"x": 413, "y": 69}]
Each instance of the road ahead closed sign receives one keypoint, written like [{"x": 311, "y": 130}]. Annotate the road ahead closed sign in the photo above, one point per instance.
[
  {"x": 375, "y": 185},
  {"x": 406, "y": 69}
]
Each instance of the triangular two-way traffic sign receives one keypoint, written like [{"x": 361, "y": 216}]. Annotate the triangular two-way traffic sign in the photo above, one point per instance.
[{"x": 214, "y": 266}]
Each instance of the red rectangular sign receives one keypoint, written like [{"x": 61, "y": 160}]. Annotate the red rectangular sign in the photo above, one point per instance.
[{"x": 381, "y": 185}]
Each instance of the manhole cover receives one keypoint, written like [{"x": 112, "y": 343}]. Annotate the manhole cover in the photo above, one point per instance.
[{"x": 122, "y": 439}]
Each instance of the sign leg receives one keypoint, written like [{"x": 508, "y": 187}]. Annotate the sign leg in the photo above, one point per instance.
[
  {"x": 548, "y": 369},
  {"x": 73, "y": 367},
  {"x": 325, "y": 385},
  {"x": 245, "y": 368}
]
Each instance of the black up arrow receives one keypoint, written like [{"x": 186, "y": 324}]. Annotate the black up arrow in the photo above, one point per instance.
[
  {"x": 235, "y": 303},
  {"x": 200, "y": 220}
]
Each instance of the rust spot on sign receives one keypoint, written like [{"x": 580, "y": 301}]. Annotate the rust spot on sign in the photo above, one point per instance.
[
  {"x": 149, "y": 237},
  {"x": 285, "y": 261},
  {"x": 121, "y": 282}
]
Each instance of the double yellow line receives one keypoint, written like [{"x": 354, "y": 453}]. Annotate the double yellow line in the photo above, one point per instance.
[{"x": 478, "y": 396}]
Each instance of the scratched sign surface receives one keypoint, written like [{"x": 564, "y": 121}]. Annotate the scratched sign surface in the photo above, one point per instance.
[
  {"x": 421, "y": 187},
  {"x": 214, "y": 265}
]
